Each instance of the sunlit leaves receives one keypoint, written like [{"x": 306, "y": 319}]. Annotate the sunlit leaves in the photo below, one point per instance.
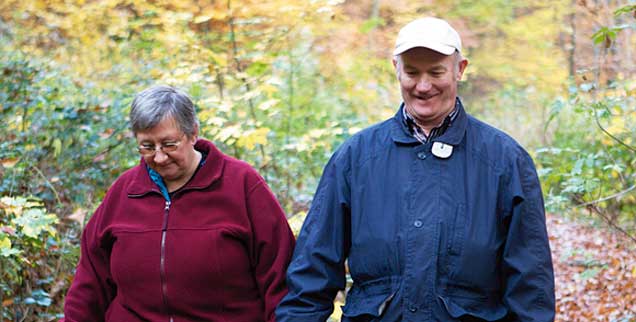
[
  {"x": 626, "y": 9},
  {"x": 35, "y": 221},
  {"x": 250, "y": 138},
  {"x": 27, "y": 217},
  {"x": 605, "y": 35},
  {"x": 5, "y": 246},
  {"x": 27, "y": 237}
]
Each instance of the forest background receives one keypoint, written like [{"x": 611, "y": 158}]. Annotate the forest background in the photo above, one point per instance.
[{"x": 280, "y": 84}]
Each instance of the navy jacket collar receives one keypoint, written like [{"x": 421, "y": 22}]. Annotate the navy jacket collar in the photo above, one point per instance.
[{"x": 453, "y": 135}]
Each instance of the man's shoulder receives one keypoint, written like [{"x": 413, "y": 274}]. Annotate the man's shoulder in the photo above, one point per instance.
[
  {"x": 367, "y": 142},
  {"x": 492, "y": 142},
  {"x": 483, "y": 131},
  {"x": 378, "y": 131}
]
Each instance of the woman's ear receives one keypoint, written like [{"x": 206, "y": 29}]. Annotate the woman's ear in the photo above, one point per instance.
[{"x": 195, "y": 133}]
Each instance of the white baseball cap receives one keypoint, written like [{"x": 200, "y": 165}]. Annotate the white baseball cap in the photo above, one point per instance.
[{"x": 432, "y": 33}]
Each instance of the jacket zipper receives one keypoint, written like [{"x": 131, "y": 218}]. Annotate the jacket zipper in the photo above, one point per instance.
[{"x": 162, "y": 261}]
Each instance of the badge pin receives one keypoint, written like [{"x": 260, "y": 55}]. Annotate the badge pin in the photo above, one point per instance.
[{"x": 442, "y": 150}]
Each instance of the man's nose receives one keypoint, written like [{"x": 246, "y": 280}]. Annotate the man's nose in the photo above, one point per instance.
[{"x": 423, "y": 84}]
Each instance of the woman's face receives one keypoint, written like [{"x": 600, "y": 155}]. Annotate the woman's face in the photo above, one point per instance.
[{"x": 175, "y": 164}]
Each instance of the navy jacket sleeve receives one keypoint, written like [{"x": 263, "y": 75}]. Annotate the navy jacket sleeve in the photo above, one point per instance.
[
  {"x": 527, "y": 263},
  {"x": 317, "y": 269}
]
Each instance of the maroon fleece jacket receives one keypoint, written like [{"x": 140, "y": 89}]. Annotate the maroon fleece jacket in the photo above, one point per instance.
[{"x": 217, "y": 252}]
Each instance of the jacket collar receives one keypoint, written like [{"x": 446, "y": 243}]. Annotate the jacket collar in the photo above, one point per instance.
[
  {"x": 209, "y": 172},
  {"x": 453, "y": 135}
]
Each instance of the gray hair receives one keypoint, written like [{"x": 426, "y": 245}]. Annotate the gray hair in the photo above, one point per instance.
[{"x": 158, "y": 102}]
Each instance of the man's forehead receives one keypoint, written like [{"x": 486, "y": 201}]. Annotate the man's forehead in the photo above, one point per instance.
[{"x": 428, "y": 61}]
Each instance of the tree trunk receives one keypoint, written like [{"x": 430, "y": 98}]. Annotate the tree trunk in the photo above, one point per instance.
[{"x": 572, "y": 49}]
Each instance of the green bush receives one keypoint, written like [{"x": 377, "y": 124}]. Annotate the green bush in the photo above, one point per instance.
[
  {"x": 31, "y": 255},
  {"x": 591, "y": 162},
  {"x": 60, "y": 151}
]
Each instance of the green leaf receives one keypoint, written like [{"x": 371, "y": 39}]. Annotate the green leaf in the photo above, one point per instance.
[
  {"x": 34, "y": 221},
  {"x": 5, "y": 247},
  {"x": 555, "y": 109},
  {"x": 57, "y": 147},
  {"x": 625, "y": 9},
  {"x": 371, "y": 24},
  {"x": 589, "y": 273},
  {"x": 41, "y": 297}
]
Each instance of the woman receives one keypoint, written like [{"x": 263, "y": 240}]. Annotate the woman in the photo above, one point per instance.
[{"x": 189, "y": 234}]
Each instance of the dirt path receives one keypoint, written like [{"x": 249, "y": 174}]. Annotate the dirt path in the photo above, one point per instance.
[{"x": 595, "y": 272}]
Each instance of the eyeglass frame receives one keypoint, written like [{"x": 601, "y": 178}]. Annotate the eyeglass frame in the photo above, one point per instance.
[{"x": 151, "y": 150}]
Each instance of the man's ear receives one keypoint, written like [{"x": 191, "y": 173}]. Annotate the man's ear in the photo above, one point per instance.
[
  {"x": 396, "y": 66},
  {"x": 461, "y": 68}
]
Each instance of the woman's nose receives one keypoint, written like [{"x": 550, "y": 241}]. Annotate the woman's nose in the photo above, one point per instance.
[{"x": 160, "y": 156}]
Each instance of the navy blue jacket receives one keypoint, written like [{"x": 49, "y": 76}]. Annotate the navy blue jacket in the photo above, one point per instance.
[{"x": 425, "y": 238}]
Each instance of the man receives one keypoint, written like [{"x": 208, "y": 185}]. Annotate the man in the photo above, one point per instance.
[{"x": 439, "y": 216}]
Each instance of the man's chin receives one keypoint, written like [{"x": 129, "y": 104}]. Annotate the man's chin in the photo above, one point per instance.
[{"x": 425, "y": 109}]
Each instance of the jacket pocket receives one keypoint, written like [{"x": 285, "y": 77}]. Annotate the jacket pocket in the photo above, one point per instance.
[
  {"x": 456, "y": 231},
  {"x": 467, "y": 305},
  {"x": 367, "y": 301}
]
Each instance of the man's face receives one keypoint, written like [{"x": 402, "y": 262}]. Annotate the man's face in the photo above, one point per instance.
[{"x": 428, "y": 82}]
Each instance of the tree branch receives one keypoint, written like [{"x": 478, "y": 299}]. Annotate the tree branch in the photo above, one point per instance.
[
  {"x": 598, "y": 123},
  {"x": 616, "y": 195},
  {"x": 591, "y": 206}
]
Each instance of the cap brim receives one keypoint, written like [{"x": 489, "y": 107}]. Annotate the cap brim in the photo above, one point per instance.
[{"x": 442, "y": 49}]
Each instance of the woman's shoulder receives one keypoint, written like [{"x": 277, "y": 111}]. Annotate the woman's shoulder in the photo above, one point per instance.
[{"x": 238, "y": 168}]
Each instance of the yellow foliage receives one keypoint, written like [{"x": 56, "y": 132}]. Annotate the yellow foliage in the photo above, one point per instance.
[
  {"x": 250, "y": 138},
  {"x": 5, "y": 243},
  {"x": 296, "y": 222},
  {"x": 16, "y": 205},
  {"x": 617, "y": 125},
  {"x": 228, "y": 134},
  {"x": 526, "y": 55},
  {"x": 266, "y": 105},
  {"x": 337, "y": 311}
]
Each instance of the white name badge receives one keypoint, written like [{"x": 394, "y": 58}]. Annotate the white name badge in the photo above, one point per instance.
[{"x": 442, "y": 150}]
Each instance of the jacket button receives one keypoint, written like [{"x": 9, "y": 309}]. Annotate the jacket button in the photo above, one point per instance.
[
  {"x": 422, "y": 155},
  {"x": 417, "y": 223},
  {"x": 413, "y": 309}
]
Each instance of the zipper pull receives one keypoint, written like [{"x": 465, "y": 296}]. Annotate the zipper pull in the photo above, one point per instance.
[{"x": 167, "y": 205}]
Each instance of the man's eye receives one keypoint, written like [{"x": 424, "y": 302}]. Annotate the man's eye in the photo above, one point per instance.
[
  {"x": 147, "y": 147},
  {"x": 169, "y": 144}
]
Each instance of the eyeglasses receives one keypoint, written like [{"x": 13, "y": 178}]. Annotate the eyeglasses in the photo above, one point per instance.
[{"x": 148, "y": 150}]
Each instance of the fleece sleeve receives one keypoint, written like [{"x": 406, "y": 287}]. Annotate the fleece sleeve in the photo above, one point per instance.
[
  {"x": 92, "y": 289},
  {"x": 272, "y": 246}
]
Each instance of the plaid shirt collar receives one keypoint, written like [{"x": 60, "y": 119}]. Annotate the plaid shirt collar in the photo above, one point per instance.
[{"x": 418, "y": 132}]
